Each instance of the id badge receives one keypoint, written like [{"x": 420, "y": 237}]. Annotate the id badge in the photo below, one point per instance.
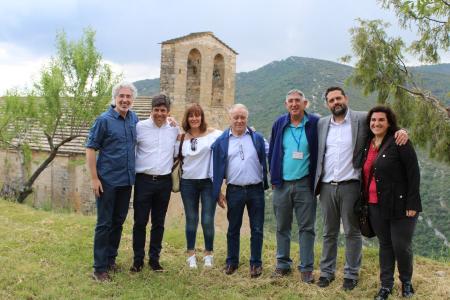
[{"x": 297, "y": 155}]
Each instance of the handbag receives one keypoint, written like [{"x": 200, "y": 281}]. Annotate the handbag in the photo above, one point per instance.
[
  {"x": 176, "y": 169},
  {"x": 363, "y": 212}
]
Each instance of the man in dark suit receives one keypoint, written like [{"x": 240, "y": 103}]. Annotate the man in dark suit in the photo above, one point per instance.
[{"x": 342, "y": 138}]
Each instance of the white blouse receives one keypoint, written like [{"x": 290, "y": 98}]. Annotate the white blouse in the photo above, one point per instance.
[{"x": 196, "y": 162}]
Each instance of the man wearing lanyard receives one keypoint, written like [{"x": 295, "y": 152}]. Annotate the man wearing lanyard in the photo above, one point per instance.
[
  {"x": 239, "y": 155},
  {"x": 292, "y": 164}
]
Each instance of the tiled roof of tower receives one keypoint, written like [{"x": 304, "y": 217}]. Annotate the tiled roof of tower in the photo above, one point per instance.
[
  {"x": 196, "y": 35},
  {"x": 141, "y": 106}
]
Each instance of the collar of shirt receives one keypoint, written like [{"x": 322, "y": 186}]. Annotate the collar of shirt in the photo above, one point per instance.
[
  {"x": 231, "y": 133},
  {"x": 346, "y": 118},
  {"x": 302, "y": 123}
]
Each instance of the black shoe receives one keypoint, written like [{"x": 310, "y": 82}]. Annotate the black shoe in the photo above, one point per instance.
[
  {"x": 407, "y": 289},
  {"x": 278, "y": 273},
  {"x": 325, "y": 281},
  {"x": 136, "y": 268},
  {"x": 383, "y": 294},
  {"x": 155, "y": 266},
  {"x": 349, "y": 284}
]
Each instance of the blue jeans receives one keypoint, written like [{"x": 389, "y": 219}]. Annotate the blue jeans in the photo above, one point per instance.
[
  {"x": 295, "y": 196},
  {"x": 112, "y": 210},
  {"x": 237, "y": 198},
  {"x": 194, "y": 191}
]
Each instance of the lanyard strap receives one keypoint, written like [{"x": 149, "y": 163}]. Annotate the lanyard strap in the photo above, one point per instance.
[{"x": 300, "y": 136}]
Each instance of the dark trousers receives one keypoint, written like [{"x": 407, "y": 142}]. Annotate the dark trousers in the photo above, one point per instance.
[
  {"x": 395, "y": 239},
  {"x": 112, "y": 210},
  {"x": 150, "y": 197},
  {"x": 237, "y": 198}
]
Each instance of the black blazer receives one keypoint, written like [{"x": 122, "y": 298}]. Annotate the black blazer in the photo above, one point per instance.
[{"x": 397, "y": 177}]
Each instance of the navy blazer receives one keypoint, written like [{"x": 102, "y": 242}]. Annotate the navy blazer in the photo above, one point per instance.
[
  {"x": 220, "y": 158},
  {"x": 276, "y": 147}
]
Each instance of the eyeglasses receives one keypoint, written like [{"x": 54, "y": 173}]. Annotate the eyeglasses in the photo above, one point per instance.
[
  {"x": 193, "y": 144},
  {"x": 241, "y": 151}
]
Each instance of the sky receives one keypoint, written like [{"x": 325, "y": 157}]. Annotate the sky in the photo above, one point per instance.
[{"x": 129, "y": 33}]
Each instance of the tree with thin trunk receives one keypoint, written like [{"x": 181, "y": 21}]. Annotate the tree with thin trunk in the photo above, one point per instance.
[
  {"x": 71, "y": 91},
  {"x": 381, "y": 68}
]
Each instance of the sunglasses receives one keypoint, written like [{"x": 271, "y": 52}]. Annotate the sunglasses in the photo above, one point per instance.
[
  {"x": 193, "y": 144},
  {"x": 241, "y": 152}
]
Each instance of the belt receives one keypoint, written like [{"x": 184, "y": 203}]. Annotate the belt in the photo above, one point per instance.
[
  {"x": 343, "y": 182},
  {"x": 246, "y": 186},
  {"x": 155, "y": 177}
]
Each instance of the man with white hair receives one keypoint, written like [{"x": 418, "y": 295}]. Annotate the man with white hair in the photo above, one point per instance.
[
  {"x": 112, "y": 174},
  {"x": 239, "y": 156}
]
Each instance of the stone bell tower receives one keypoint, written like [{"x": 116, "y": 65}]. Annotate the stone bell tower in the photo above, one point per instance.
[{"x": 199, "y": 68}]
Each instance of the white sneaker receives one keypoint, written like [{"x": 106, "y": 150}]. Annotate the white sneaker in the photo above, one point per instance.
[
  {"x": 208, "y": 259},
  {"x": 192, "y": 262}
]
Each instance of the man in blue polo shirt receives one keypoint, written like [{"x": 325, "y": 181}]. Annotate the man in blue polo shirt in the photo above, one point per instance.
[
  {"x": 112, "y": 173},
  {"x": 292, "y": 163}
]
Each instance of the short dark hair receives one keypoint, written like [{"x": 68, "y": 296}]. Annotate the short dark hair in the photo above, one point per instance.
[
  {"x": 331, "y": 89},
  {"x": 160, "y": 100},
  {"x": 196, "y": 110},
  {"x": 390, "y": 116}
]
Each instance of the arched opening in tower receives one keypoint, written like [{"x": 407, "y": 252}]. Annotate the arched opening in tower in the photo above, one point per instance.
[
  {"x": 218, "y": 81},
  {"x": 194, "y": 66}
]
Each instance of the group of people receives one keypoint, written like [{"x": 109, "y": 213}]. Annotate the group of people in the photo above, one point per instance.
[{"x": 337, "y": 158}]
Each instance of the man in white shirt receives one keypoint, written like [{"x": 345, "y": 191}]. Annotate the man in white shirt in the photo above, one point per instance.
[
  {"x": 342, "y": 138},
  {"x": 239, "y": 156},
  {"x": 155, "y": 152}
]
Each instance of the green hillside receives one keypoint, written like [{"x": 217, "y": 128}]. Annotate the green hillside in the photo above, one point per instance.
[
  {"x": 263, "y": 91},
  {"x": 147, "y": 87},
  {"x": 48, "y": 255}
]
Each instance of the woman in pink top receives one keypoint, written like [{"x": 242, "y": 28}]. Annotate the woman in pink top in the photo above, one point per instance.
[{"x": 391, "y": 180}]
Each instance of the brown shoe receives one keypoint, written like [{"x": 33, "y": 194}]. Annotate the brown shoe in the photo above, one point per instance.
[
  {"x": 307, "y": 277},
  {"x": 278, "y": 273},
  {"x": 101, "y": 276},
  {"x": 255, "y": 271},
  {"x": 230, "y": 269}
]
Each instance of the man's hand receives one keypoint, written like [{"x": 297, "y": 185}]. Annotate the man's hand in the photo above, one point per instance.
[
  {"x": 401, "y": 137},
  {"x": 172, "y": 121},
  {"x": 222, "y": 202},
  {"x": 97, "y": 187},
  {"x": 410, "y": 213}
]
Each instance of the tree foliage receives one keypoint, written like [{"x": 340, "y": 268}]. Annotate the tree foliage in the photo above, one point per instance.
[
  {"x": 431, "y": 18},
  {"x": 70, "y": 92},
  {"x": 381, "y": 69}
]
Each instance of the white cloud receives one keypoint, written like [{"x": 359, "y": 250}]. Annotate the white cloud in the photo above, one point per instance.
[
  {"x": 19, "y": 67},
  {"x": 135, "y": 71}
]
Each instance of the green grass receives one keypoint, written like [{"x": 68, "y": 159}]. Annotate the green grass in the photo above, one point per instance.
[{"x": 48, "y": 255}]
